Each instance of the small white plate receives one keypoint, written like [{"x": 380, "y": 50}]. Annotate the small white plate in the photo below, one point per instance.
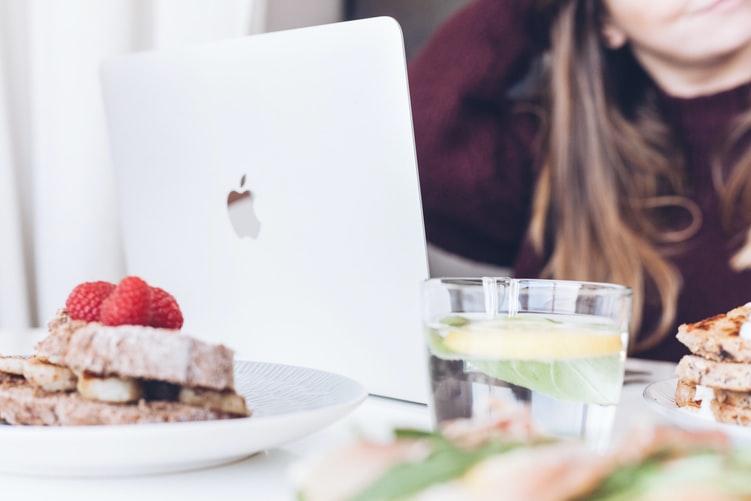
[
  {"x": 661, "y": 396},
  {"x": 287, "y": 402}
]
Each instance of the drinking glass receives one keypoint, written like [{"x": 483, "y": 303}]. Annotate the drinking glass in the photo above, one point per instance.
[{"x": 557, "y": 347}]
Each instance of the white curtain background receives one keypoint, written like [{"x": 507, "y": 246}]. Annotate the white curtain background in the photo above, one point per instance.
[{"x": 58, "y": 222}]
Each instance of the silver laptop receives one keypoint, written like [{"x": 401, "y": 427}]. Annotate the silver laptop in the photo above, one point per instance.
[{"x": 270, "y": 182}]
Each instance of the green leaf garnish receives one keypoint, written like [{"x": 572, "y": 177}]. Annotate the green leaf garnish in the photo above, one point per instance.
[
  {"x": 596, "y": 380},
  {"x": 625, "y": 483},
  {"x": 724, "y": 474},
  {"x": 444, "y": 464},
  {"x": 410, "y": 433}
]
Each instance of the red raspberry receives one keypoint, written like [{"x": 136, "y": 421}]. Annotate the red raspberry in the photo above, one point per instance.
[
  {"x": 128, "y": 304},
  {"x": 85, "y": 300},
  {"x": 165, "y": 312}
]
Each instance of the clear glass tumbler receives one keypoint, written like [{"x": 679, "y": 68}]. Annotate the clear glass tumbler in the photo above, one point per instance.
[{"x": 557, "y": 347}]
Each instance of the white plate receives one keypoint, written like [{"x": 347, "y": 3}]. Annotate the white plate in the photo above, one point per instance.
[
  {"x": 287, "y": 402},
  {"x": 661, "y": 395}
]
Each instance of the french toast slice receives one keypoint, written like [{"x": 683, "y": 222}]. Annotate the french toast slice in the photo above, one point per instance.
[
  {"x": 23, "y": 404},
  {"x": 719, "y": 338},
  {"x": 719, "y": 375},
  {"x": 727, "y": 406}
]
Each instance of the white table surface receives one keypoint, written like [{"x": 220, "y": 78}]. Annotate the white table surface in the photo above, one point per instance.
[{"x": 267, "y": 476}]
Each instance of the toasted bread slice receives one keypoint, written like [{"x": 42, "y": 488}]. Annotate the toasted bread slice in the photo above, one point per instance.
[
  {"x": 685, "y": 394},
  {"x": 719, "y": 338},
  {"x": 738, "y": 399},
  {"x": 732, "y": 414},
  {"x": 719, "y": 375},
  {"x": 23, "y": 404},
  {"x": 149, "y": 353},
  {"x": 49, "y": 377},
  {"x": 726, "y": 406},
  {"x": 13, "y": 365},
  {"x": 54, "y": 347}
]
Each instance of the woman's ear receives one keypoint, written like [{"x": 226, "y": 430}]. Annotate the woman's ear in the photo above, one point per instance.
[{"x": 614, "y": 37}]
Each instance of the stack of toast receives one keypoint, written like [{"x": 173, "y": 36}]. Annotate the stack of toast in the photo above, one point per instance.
[
  {"x": 89, "y": 373},
  {"x": 716, "y": 378}
]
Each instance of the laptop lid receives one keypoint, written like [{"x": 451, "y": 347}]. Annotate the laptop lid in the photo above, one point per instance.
[{"x": 270, "y": 182}]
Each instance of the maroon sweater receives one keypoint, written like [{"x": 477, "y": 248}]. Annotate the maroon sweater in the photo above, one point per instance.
[{"x": 479, "y": 160}]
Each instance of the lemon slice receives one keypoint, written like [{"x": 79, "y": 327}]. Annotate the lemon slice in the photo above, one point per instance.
[{"x": 531, "y": 345}]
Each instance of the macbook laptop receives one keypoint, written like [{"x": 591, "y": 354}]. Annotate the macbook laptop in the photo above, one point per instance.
[{"x": 270, "y": 183}]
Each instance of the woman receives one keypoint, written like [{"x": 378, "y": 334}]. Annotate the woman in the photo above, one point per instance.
[{"x": 623, "y": 155}]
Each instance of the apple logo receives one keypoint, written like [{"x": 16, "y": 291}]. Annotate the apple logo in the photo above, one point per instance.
[{"x": 242, "y": 214}]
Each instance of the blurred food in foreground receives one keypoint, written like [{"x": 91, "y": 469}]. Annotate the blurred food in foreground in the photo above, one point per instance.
[{"x": 505, "y": 459}]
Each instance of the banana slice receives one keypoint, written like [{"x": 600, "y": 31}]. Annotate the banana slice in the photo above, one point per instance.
[
  {"x": 49, "y": 377},
  {"x": 116, "y": 390},
  {"x": 13, "y": 365},
  {"x": 228, "y": 402}
]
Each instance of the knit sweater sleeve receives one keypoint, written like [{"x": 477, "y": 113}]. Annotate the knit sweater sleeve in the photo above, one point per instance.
[{"x": 475, "y": 154}]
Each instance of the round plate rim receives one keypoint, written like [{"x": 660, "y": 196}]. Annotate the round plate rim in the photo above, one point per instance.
[{"x": 157, "y": 448}]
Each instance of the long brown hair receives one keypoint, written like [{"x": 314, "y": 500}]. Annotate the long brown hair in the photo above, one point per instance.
[{"x": 612, "y": 166}]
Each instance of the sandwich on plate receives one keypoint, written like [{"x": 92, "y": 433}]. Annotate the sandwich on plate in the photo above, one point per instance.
[
  {"x": 715, "y": 379},
  {"x": 115, "y": 355}
]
